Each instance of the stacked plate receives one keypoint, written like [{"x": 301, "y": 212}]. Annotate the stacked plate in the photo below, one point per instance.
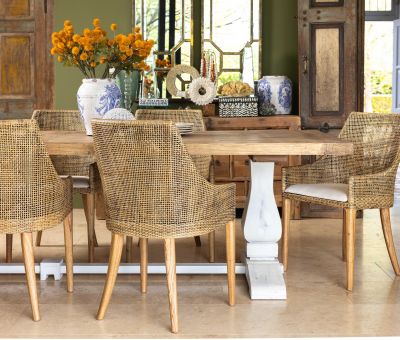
[{"x": 185, "y": 128}]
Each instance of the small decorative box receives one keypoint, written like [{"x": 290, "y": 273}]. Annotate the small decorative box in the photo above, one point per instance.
[{"x": 238, "y": 106}]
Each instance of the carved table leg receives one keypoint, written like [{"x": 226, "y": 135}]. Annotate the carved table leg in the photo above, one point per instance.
[{"x": 262, "y": 231}]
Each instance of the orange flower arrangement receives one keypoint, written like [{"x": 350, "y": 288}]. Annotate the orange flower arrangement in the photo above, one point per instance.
[
  {"x": 93, "y": 48},
  {"x": 163, "y": 66}
]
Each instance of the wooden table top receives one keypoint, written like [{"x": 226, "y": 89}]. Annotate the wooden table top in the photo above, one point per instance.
[{"x": 250, "y": 142}]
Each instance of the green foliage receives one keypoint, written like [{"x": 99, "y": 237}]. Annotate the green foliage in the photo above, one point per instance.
[
  {"x": 381, "y": 82},
  {"x": 382, "y": 104},
  {"x": 226, "y": 77}
]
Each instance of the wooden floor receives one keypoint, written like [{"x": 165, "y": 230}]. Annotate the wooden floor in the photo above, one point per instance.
[{"x": 317, "y": 303}]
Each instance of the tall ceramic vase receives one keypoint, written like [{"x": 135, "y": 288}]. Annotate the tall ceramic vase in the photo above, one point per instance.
[
  {"x": 275, "y": 95},
  {"x": 95, "y": 98}
]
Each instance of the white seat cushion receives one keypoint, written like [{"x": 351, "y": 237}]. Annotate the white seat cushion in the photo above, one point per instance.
[
  {"x": 329, "y": 191},
  {"x": 79, "y": 182}
]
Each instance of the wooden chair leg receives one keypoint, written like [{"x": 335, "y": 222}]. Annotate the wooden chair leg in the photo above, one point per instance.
[
  {"x": 211, "y": 247},
  {"x": 29, "y": 262},
  {"x": 170, "y": 265},
  {"x": 197, "y": 240},
  {"x": 231, "y": 261},
  {"x": 89, "y": 209},
  {"x": 344, "y": 251},
  {"x": 350, "y": 245},
  {"x": 96, "y": 244},
  {"x": 69, "y": 254},
  {"x": 9, "y": 245},
  {"x": 387, "y": 232},
  {"x": 117, "y": 243},
  {"x": 143, "y": 264},
  {"x": 39, "y": 238},
  {"x": 129, "y": 249},
  {"x": 286, "y": 212}
]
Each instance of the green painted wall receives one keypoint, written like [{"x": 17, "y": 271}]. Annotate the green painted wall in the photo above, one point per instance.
[
  {"x": 280, "y": 41},
  {"x": 279, "y": 37}
]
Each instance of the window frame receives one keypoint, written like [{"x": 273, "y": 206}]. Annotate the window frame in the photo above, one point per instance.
[{"x": 384, "y": 15}]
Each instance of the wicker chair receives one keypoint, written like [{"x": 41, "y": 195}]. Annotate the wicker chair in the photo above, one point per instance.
[
  {"x": 32, "y": 196},
  {"x": 203, "y": 163},
  {"x": 153, "y": 190},
  {"x": 81, "y": 169},
  {"x": 363, "y": 180}
]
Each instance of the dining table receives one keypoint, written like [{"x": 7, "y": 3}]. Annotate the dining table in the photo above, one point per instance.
[{"x": 261, "y": 220}]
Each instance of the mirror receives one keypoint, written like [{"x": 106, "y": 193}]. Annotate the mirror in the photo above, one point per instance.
[{"x": 228, "y": 26}]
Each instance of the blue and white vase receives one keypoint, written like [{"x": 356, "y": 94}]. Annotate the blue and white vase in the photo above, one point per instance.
[
  {"x": 275, "y": 95},
  {"x": 95, "y": 98}
]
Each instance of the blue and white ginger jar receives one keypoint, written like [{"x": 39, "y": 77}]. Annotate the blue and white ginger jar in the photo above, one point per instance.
[
  {"x": 95, "y": 98},
  {"x": 275, "y": 95}
]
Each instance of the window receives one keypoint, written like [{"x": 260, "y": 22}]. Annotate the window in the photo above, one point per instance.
[{"x": 381, "y": 10}]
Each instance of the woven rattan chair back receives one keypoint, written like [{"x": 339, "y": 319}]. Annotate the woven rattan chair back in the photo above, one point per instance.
[
  {"x": 376, "y": 140},
  {"x": 64, "y": 120},
  {"x": 151, "y": 186},
  {"x": 181, "y": 116},
  {"x": 32, "y": 196}
]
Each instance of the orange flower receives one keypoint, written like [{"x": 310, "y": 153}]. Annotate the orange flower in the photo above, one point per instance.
[
  {"x": 123, "y": 48},
  {"x": 67, "y": 23},
  {"x": 103, "y": 60},
  {"x": 88, "y": 47},
  {"x": 93, "y": 64},
  {"x": 60, "y": 58},
  {"x": 123, "y": 57},
  {"x": 137, "y": 29},
  {"x": 126, "y": 40},
  {"x": 96, "y": 22},
  {"x": 53, "y": 51},
  {"x": 84, "y": 56},
  {"x": 113, "y": 27},
  {"x": 129, "y": 52},
  {"x": 76, "y": 37},
  {"x": 75, "y": 50}
]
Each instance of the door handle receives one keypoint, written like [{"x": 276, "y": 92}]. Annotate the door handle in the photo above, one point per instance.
[{"x": 305, "y": 64}]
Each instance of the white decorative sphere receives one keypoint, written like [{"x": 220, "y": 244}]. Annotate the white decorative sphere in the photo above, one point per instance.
[{"x": 119, "y": 114}]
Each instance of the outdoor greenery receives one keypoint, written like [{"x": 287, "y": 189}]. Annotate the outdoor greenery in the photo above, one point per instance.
[
  {"x": 382, "y": 103},
  {"x": 381, "y": 82},
  {"x": 381, "y": 88}
]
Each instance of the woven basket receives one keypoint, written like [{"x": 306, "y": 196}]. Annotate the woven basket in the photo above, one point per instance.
[{"x": 238, "y": 106}]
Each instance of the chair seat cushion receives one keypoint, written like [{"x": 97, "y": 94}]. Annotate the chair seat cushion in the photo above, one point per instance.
[
  {"x": 329, "y": 191},
  {"x": 79, "y": 182}
]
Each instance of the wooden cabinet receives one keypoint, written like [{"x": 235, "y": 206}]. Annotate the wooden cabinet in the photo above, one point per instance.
[
  {"x": 330, "y": 60},
  {"x": 236, "y": 169}
]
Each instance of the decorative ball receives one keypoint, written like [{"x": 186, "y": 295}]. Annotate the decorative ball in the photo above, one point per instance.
[
  {"x": 119, "y": 114},
  {"x": 202, "y": 91}
]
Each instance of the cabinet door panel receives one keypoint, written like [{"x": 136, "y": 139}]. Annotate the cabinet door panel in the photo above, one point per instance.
[
  {"x": 222, "y": 167},
  {"x": 327, "y": 69},
  {"x": 240, "y": 167},
  {"x": 26, "y": 67}
]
